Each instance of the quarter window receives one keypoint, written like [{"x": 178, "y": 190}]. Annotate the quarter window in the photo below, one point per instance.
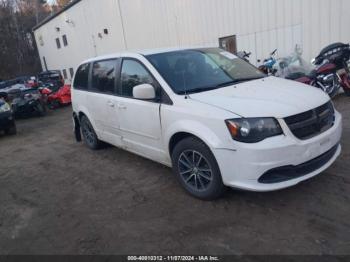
[
  {"x": 58, "y": 43},
  {"x": 81, "y": 80},
  {"x": 103, "y": 76},
  {"x": 133, "y": 74}
]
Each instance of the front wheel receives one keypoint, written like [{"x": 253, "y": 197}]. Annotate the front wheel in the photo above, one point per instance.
[{"x": 197, "y": 170}]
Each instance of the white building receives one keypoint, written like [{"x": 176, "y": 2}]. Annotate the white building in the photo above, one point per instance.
[{"x": 88, "y": 28}]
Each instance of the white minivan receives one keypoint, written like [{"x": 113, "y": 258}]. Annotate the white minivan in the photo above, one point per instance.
[{"x": 214, "y": 118}]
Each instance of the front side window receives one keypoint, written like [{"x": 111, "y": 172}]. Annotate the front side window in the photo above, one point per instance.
[
  {"x": 81, "y": 80},
  {"x": 103, "y": 76},
  {"x": 133, "y": 73},
  {"x": 197, "y": 70}
]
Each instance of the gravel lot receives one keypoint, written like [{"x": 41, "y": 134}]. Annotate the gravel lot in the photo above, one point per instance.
[{"x": 59, "y": 197}]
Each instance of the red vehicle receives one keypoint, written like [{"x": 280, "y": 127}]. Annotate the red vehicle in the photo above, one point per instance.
[{"x": 58, "y": 97}]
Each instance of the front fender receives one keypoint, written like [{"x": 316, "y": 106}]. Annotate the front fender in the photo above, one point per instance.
[{"x": 203, "y": 132}]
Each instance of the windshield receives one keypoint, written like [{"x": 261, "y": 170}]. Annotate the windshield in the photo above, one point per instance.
[{"x": 190, "y": 71}]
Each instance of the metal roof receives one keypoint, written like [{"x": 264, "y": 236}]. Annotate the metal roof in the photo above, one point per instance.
[{"x": 50, "y": 17}]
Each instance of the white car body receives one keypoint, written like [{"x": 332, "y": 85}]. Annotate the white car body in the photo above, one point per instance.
[{"x": 147, "y": 128}]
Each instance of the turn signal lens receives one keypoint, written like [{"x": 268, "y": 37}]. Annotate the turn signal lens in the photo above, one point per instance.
[{"x": 233, "y": 128}]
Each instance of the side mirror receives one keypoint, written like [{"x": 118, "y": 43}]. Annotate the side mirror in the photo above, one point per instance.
[{"x": 144, "y": 92}]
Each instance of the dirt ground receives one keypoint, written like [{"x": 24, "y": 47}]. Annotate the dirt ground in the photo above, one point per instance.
[{"x": 59, "y": 197}]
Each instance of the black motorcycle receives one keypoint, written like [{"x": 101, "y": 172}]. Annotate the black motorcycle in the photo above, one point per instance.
[
  {"x": 339, "y": 55},
  {"x": 25, "y": 103}
]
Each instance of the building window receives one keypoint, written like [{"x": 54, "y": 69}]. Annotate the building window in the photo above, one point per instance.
[
  {"x": 64, "y": 38},
  {"x": 64, "y": 73},
  {"x": 71, "y": 72},
  {"x": 58, "y": 43},
  {"x": 229, "y": 43}
]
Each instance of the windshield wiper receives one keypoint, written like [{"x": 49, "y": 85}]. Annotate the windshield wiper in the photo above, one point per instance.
[
  {"x": 197, "y": 90},
  {"x": 239, "y": 80},
  {"x": 209, "y": 88}
]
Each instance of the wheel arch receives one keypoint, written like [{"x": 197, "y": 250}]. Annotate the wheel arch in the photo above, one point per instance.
[{"x": 197, "y": 130}]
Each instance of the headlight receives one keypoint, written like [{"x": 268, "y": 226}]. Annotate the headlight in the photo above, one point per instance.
[
  {"x": 4, "y": 108},
  {"x": 253, "y": 130}
]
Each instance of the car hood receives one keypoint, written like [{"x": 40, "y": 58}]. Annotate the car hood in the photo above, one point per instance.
[{"x": 267, "y": 97}]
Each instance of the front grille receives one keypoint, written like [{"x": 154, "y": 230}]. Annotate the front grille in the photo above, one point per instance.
[{"x": 313, "y": 122}]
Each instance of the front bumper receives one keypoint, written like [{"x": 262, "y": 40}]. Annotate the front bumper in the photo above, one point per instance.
[
  {"x": 242, "y": 168},
  {"x": 6, "y": 121}
]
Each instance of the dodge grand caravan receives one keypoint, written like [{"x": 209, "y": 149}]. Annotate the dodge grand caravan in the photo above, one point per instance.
[{"x": 212, "y": 117}]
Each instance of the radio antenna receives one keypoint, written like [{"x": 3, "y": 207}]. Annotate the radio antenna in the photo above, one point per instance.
[{"x": 184, "y": 80}]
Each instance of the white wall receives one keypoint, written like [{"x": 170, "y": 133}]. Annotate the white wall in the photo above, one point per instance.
[{"x": 260, "y": 26}]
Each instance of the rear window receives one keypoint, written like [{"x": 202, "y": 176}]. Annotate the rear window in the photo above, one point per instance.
[{"x": 81, "y": 80}]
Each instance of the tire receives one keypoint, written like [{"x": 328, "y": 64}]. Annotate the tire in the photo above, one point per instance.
[
  {"x": 11, "y": 131},
  {"x": 89, "y": 134},
  {"x": 54, "y": 105},
  {"x": 197, "y": 170},
  {"x": 41, "y": 109}
]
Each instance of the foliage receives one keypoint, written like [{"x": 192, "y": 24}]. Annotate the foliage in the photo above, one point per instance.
[{"x": 18, "y": 52}]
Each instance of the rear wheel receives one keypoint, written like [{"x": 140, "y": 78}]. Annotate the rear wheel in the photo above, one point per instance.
[
  {"x": 89, "y": 134},
  {"x": 197, "y": 170}
]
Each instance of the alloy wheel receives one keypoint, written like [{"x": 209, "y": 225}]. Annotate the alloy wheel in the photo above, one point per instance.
[
  {"x": 88, "y": 133},
  {"x": 195, "y": 170}
]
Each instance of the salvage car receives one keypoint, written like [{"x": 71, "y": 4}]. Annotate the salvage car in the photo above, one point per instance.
[
  {"x": 52, "y": 76},
  {"x": 27, "y": 102},
  {"x": 56, "y": 97},
  {"x": 7, "y": 121},
  {"x": 214, "y": 118}
]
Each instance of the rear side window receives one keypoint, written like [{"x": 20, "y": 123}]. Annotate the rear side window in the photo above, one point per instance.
[
  {"x": 103, "y": 76},
  {"x": 81, "y": 80},
  {"x": 133, "y": 74}
]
